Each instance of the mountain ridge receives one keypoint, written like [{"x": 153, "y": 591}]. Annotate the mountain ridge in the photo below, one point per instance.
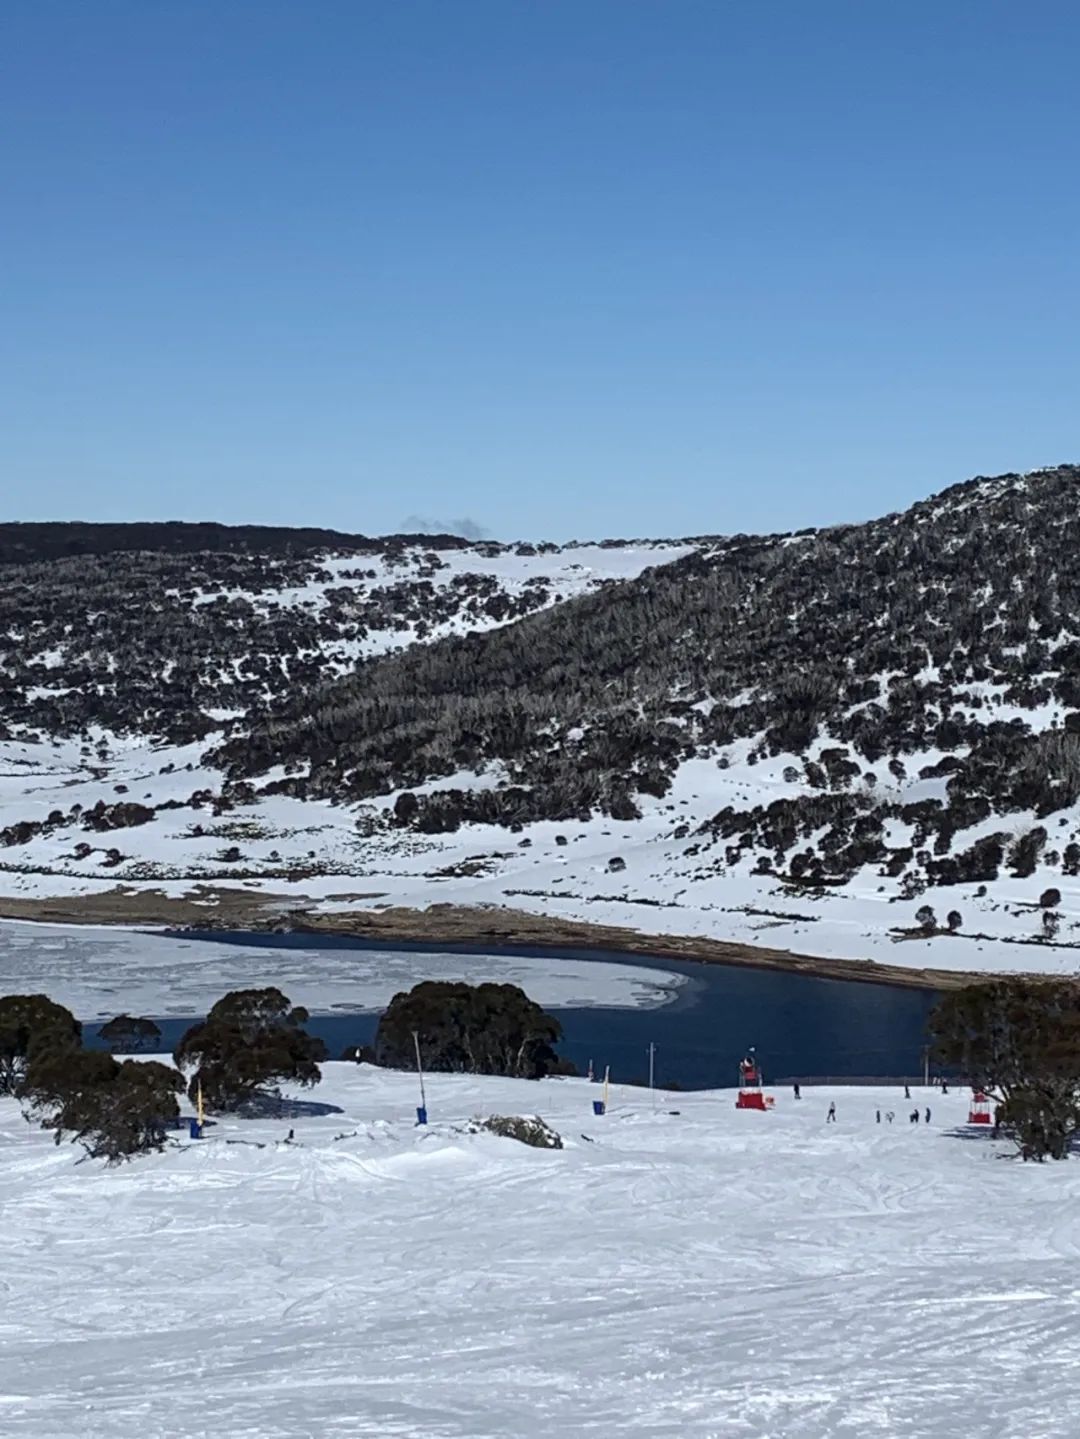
[{"x": 861, "y": 720}]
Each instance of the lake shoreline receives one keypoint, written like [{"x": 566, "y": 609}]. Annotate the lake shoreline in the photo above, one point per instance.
[
  {"x": 801, "y": 1020},
  {"x": 223, "y": 911}
]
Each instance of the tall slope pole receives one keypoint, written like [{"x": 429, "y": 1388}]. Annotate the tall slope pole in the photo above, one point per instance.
[{"x": 421, "y": 1113}]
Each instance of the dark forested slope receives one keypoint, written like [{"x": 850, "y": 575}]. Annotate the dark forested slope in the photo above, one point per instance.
[
  {"x": 30, "y": 541},
  {"x": 950, "y": 628},
  {"x": 138, "y": 632}
]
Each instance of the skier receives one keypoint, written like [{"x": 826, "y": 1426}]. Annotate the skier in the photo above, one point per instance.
[
  {"x": 830, "y": 1118},
  {"x": 879, "y": 1116},
  {"x": 914, "y": 1116},
  {"x": 890, "y": 1116},
  {"x": 928, "y": 1116},
  {"x": 798, "y": 1092},
  {"x": 944, "y": 1087},
  {"x": 907, "y": 1092}
]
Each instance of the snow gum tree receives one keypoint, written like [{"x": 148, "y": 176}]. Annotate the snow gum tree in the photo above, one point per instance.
[
  {"x": 114, "y": 1110},
  {"x": 1019, "y": 1040},
  {"x": 128, "y": 1034},
  {"x": 31, "y": 1024},
  {"x": 469, "y": 1029},
  {"x": 251, "y": 1041}
]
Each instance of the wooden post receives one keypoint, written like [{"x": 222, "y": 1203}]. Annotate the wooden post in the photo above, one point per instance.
[{"x": 419, "y": 1069}]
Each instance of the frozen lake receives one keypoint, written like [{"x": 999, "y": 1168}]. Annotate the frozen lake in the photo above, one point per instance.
[
  {"x": 701, "y": 1017},
  {"x": 96, "y": 972}
]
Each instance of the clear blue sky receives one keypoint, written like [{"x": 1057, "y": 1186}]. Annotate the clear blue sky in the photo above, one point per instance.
[{"x": 568, "y": 267}]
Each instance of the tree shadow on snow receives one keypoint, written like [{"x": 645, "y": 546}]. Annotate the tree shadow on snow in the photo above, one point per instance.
[
  {"x": 273, "y": 1106},
  {"x": 974, "y": 1134},
  {"x": 262, "y": 1106}
]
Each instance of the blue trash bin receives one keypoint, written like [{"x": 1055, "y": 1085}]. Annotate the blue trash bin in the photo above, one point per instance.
[
  {"x": 421, "y": 1114},
  {"x": 195, "y": 1129},
  {"x": 598, "y": 1106}
]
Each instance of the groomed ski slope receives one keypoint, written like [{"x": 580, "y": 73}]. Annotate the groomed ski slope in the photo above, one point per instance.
[{"x": 700, "y": 1273}]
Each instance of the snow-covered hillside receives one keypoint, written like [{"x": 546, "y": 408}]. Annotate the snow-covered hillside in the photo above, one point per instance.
[
  {"x": 655, "y": 874},
  {"x": 177, "y": 644},
  {"x": 678, "y": 1269},
  {"x": 858, "y": 743}
]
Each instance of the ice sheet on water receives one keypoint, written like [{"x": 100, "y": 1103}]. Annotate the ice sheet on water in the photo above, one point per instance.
[{"x": 98, "y": 972}]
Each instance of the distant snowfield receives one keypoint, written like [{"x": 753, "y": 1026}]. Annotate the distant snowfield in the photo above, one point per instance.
[
  {"x": 701, "y": 1273},
  {"x": 99, "y": 972},
  {"x": 671, "y": 883}
]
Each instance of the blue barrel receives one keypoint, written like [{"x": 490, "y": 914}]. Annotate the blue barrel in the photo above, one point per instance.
[
  {"x": 598, "y": 1106},
  {"x": 421, "y": 1114},
  {"x": 195, "y": 1129}
]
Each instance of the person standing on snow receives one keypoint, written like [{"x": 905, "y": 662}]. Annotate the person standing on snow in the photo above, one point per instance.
[
  {"x": 928, "y": 1116},
  {"x": 830, "y": 1118},
  {"x": 914, "y": 1116},
  {"x": 798, "y": 1092},
  {"x": 907, "y": 1091},
  {"x": 890, "y": 1116}
]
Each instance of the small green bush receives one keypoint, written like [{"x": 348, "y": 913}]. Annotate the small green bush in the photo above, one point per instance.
[{"x": 526, "y": 1128}]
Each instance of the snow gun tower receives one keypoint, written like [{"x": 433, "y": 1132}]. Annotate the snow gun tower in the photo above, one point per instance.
[
  {"x": 751, "y": 1095},
  {"x": 979, "y": 1113}
]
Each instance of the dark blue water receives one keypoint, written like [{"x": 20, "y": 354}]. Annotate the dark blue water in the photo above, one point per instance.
[{"x": 801, "y": 1026}]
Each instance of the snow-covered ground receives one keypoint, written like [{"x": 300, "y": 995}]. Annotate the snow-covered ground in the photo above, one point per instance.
[
  {"x": 98, "y": 972},
  {"x": 679, "y": 1269},
  {"x": 659, "y": 874},
  {"x": 672, "y": 881}
]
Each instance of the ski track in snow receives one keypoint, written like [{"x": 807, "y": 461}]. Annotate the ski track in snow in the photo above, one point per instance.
[{"x": 710, "y": 1273}]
